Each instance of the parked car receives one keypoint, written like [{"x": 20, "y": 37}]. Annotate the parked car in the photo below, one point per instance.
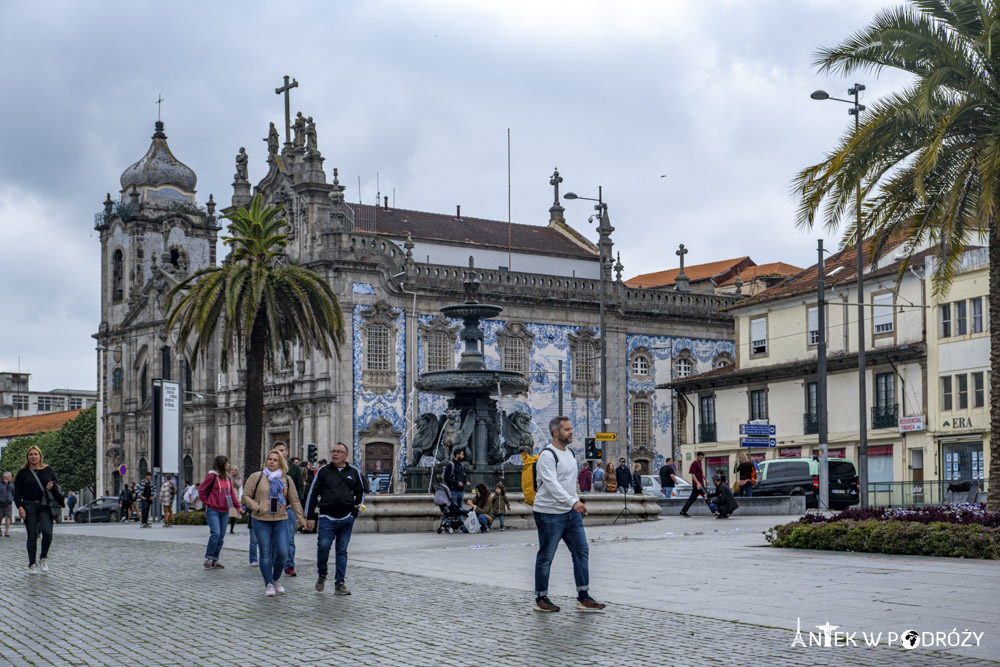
[
  {"x": 651, "y": 487},
  {"x": 800, "y": 477},
  {"x": 102, "y": 509}
]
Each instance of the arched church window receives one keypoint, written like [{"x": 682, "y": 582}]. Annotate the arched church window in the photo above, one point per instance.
[
  {"x": 117, "y": 277},
  {"x": 188, "y": 469},
  {"x": 143, "y": 467},
  {"x": 165, "y": 363},
  {"x": 116, "y": 380},
  {"x": 144, "y": 384}
]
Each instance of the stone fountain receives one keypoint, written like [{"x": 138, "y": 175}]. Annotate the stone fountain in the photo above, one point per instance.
[{"x": 472, "y": 422}]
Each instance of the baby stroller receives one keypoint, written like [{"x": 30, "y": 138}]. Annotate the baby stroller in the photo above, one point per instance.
[{"x": 454, "y": 515}]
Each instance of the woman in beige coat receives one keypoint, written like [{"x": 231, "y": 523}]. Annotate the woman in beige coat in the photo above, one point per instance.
[{"x": 267, "y": 494}]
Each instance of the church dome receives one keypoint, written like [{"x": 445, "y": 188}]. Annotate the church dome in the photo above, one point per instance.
[{"x": 159, "y": 167}]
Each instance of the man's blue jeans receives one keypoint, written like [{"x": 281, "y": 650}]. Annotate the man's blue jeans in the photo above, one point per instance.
[
  {"x": 458, "y": 497},
  {"x": 272, "y": 537},
  {"x": 328, "y": 531},
  {"x": 217, "y": 522},
  {"x": 291, "y": 523},
  {"x": 567, "y": 527},
  {"x": 668, "y": 491}
]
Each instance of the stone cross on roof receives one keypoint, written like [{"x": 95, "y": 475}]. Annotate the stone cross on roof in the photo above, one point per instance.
[
  {"x": 555, "y": 181},
  {"x": 159, "y": 102},
  {"x": 681, "y": 251},
  {"x": 288, "y": 113}
]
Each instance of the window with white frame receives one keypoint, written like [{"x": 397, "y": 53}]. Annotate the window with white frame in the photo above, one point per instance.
[
  {"x": 978, "y": 390},
  {"x": 812, "y": 325},
  {"x": 640, "y": 366},
  {"x": 962, "y": 391},
  {"x": 976, "y": 319},
  {"x": 583, "y": 363},
  {"x": 882, "y": 317},
  {"x": 75, "y": 403},
  {"x": 961, "y": 319},
  {"x": 758, "y": 336},
  {"x": 377, "y": 350},
  {"x": 20, "y": 402},
  {"x": 684, "y": 367},
  {"x": 945, "y": 319},
  {"x": 440, "y": 351},
  {"x": 51, "y": 403},
  {"x": 514, "y": 356},
  {"x": 946, "y": 394}
]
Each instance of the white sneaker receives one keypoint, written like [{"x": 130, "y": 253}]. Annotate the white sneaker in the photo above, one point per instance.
[
  {"x": 269, "y": 591},
  {"x": 43, "y": 564},
  {"x": 279, "y": 588},
  {"x": 252, "y": 565},
  {"x": 32, "y": 569}
]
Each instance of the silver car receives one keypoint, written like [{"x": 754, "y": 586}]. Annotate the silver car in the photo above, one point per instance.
[{"x": 651, "y": 487}]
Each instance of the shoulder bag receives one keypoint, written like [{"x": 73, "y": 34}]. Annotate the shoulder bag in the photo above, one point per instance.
[{"x": 48, "y": 498}]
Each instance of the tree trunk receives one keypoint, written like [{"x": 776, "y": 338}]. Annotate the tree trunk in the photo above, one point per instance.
[
  {"x": 993, "y": 497},
  {"x": 253, "y": 411}
]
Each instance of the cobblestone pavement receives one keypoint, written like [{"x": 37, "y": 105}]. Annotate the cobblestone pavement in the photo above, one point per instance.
[{"x": 109, "y": 601}]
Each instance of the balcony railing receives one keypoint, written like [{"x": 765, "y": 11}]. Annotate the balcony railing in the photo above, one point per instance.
[
  {"x": 885, "y": 416},
  {"x": 810, "y": 423},
  {"x": 706, "y": 433}
]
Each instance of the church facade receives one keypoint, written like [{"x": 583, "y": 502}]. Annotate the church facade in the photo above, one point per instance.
[{"x": 393, "y": 270}]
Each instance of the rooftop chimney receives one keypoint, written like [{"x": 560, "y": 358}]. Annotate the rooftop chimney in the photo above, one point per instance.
[
  {"x": 458, "y": 211},
  {"x": 387, "y": 202}
]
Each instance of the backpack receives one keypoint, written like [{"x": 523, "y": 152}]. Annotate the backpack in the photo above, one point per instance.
[
  {"x": 753, "y": 472},
  {"x": 529, "y": 476}
]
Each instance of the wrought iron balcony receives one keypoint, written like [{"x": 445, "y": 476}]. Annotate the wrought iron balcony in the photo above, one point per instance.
[
  {"x": 706, "y": 432},
  {"x": 810, "y": 423},
  {"x": 885, "y": 416}
]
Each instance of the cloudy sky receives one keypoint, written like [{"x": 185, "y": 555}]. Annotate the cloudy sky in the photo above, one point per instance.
[{"x": 693, "y": 115}]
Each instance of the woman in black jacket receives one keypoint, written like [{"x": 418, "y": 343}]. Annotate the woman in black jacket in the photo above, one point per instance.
[{"x": 35, "y": 489}]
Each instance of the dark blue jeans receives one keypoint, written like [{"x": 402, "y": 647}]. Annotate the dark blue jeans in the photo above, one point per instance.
[
  {"x": 217, "y": 522},
  {"x": 254, "y": 548},
  {"x": 567, "y": 527},
  {"x": 291, "y": 524},
  {"x": 458, "y": 497},
  {"x": 37, "y": 520},
  {"x": 328, "y": 531},
  {"x": 272, "y": 538}
]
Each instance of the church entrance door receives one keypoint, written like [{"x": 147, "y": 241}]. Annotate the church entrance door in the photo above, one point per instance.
[{"x": 378, "y": 466}]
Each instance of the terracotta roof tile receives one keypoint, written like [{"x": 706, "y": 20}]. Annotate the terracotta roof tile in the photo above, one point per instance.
[
  {"x": 50, "y": 421},
  {"x": 694, "y": 273},
  {"x": 763, "y": 271},
  {"x": 550, "y": 239}
]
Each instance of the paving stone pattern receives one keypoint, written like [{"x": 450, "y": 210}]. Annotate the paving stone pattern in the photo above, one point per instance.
[{"x": 109, "y": 601}]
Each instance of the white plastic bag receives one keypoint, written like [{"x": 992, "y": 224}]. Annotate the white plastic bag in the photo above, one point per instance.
[{"x": 472, "y": 522}]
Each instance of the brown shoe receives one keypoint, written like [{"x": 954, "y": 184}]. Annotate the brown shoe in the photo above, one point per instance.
[
  {"x": 217, "y": 565},
  {"x": 545, "y": 604},
  {"x": 290, "y": 571},
  {"x": 587, "y": 603}
]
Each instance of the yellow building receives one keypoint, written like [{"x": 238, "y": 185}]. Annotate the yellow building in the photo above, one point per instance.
[
  {"x": 774, "y": 379},
  {"x": 958, "y": 372}
]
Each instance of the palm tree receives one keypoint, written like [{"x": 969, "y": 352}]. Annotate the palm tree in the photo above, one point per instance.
[
  {"x": 926, "y": 160},
  {"x": 264, "y": 303}
]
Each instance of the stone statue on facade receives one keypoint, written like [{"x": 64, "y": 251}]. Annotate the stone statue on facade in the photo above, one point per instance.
[
  {"x": 272, "y": 144},
  {"x": 299, "y": 131},
  {"x": 241, "y": 165},
  {"x": 311, "y": 146}
]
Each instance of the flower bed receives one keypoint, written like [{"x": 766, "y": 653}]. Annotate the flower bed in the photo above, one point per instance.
[{"x": 960, "y": 531}]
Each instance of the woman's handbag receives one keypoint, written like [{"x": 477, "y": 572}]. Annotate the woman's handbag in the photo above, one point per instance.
[{"x": 49, "y": 499}]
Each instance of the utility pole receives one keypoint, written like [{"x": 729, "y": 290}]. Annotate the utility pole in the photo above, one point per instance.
[{"x": 821, "y": 416}]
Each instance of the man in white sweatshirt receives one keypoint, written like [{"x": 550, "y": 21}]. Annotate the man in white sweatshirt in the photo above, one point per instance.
[{"x": 559, "y": 516}]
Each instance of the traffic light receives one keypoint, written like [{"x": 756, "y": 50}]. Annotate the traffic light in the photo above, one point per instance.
[
  {"x": 312, "y": 456},
  {"x": 592, "y": 452}
]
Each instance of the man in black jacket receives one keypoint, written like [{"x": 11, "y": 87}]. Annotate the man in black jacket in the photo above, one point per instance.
[
  {"x": 146, "y": 497},
  {"x": 454, "y": 477},
  {"x": 724, "y": 503},
  {"x": 335, "y": 496},
  {"x": 623, "y": 476}
]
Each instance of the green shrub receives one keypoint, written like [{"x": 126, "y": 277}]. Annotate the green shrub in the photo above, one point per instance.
[
  {"x": 891, "y": 537},
  {"x": 198, "y": 519}
]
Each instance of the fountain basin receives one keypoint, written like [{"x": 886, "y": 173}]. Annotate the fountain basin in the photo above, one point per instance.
[
  {"x": 472, "y": 381},
  {"x": 477, "y": 311}
]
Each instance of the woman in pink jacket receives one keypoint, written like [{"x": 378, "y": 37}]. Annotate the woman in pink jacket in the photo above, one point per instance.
[{"x": 217, "y": 494}]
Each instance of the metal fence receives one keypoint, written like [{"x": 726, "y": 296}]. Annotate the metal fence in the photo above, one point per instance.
[{"x": 907, "y": 494}]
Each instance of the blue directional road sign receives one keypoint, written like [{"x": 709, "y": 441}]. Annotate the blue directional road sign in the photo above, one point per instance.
[
  {"x": 759, "y": 442},
  {"x": 758, "y": 430}
]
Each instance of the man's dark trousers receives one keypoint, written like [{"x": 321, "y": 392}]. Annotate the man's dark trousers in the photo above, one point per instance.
[{"x": 690, "y": 501}]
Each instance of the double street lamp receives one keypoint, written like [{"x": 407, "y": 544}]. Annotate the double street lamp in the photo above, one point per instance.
[
  {"x": 604, "y": 228},
  {"x": 855, "y": 110}
]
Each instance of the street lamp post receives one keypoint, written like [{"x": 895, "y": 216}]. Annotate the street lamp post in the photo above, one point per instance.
[
  {"x": 855, "y": 111},
  {"x": 604, "y": 228}
]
